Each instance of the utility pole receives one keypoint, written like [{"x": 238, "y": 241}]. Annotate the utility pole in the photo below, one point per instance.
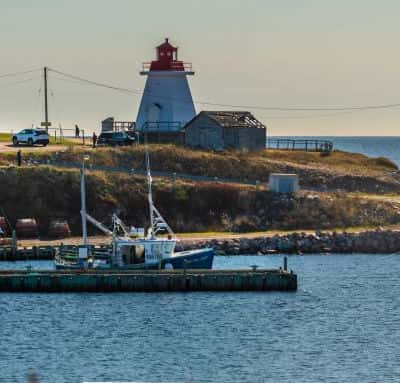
[{"x": 46, "y": 122}]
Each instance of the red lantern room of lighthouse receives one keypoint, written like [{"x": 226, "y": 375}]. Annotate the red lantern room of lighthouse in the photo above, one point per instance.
[{"x": 167, "y": 103}]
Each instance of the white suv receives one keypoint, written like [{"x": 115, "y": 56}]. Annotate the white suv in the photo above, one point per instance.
[{"x": 31, "y": 137}]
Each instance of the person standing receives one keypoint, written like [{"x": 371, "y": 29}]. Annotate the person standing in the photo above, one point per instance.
[
  {"x": 77, "y": 131},
  {"x": 94, "y": 139},
  {"x": 19, "y": 157}
]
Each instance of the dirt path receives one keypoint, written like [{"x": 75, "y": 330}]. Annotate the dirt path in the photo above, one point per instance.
[
  {"x": 193, "y": 237},
  {"x": 98, "y": 240},
  {"x": 6, "y": 147},
  {"x": 392, "y": 198}
]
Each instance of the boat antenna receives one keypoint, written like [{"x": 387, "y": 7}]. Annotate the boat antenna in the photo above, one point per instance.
[{"x": 83, "y": 203}]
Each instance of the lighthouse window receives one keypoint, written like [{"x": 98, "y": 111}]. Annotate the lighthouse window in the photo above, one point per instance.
[
  {"x": 161, "y": 53},
  {"x": 169, "y": 53}
]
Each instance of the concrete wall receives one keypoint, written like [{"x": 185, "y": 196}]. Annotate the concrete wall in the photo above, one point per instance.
[{"x": 147, "y": 281}]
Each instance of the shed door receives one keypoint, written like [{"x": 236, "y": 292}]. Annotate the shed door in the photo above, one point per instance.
[
  {"x": 154, "y": 113},
  {"x": 203, "y": 138},
  {"x": 209, "y": 138},
  {"x": 286, "y": 185}
]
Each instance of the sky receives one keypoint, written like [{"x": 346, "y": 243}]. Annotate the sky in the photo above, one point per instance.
[{"x": 265, "y": 53}]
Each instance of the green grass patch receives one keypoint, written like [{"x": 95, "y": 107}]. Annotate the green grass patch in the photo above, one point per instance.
[{"x": 5, "y": 137}]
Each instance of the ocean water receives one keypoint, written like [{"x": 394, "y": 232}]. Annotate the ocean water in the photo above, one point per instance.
[
  {"x": 342, "y": 325},
  {"x": 371, "y": 146}
]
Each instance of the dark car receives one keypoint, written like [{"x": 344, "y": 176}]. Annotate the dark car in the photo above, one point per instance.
[{"x": 115, "y": 138}]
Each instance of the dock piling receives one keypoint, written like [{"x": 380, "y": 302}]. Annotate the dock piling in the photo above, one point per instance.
[{"x": 145, "y": 280}]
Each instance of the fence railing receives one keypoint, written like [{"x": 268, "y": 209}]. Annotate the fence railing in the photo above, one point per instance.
[
  {"x": 174, "y": 65},
  {"x": 160, "y": 126},
  {"x": 311, "y": 145}
]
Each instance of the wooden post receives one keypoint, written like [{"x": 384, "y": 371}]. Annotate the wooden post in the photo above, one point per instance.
[
  {"x": 46, "y": 111},
  {"x": 285, "y": 263},
  {"x": 184, "y": 266},
  {"x": 14, "y": 244}
]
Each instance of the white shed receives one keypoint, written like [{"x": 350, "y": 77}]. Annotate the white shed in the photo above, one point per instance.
[{"x": 283, "y": 183}]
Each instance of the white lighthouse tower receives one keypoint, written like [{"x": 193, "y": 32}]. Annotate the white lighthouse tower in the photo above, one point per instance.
[{"x": 167, "y": 103}]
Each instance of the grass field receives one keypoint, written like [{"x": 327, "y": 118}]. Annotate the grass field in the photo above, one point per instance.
[
  {"x": 237, "y": 164},
  {"x": 189, "y": 206},
  {"x": 5, "y": 137},
  {"x": 228, "y": 164}
]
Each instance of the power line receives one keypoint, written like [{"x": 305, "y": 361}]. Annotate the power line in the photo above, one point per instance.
[
  {"x": 3, "y": 85},
  {"x": 310, "y": 116},
  {"x": 255, "y": 107},
  {"x": 14, "y": 74},
  {"x": 96, "y": 83}
]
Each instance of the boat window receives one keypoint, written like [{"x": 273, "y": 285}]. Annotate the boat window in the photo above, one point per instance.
[
  {"x": 139, "y": 252},
  {"x": 133, "y": 254}
]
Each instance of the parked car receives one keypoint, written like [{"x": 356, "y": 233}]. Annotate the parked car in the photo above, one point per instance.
[
  {"x": 31, "y": 137},
  {"x": 115, "y": 138}
]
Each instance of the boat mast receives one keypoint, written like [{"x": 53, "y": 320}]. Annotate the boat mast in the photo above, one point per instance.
[
  {"x": 83, "y": 204},
  {"x": 149, "y": 192},
  {"x": 157, "y": 222}
]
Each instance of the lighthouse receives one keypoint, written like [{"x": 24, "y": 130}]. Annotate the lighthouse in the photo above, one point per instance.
[{"x": 167, "y": 103}]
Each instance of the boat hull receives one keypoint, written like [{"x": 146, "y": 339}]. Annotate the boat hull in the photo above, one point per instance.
[{"x": 191, "y": 259}]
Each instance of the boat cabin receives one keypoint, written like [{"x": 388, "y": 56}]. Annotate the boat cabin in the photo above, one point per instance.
[{"x": 144, "y": 251}]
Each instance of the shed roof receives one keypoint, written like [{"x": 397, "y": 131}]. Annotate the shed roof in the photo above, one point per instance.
[{"x": 234, "y": 119}]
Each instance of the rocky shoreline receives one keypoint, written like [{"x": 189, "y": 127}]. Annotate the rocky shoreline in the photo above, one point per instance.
[{"x": 371, "y": 242}]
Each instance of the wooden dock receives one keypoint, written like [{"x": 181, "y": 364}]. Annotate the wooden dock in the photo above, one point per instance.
[
  {"x": 35, "y": 253},
  {"x": 53, "y": 281}
]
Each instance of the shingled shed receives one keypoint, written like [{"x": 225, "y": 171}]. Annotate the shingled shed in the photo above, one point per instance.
[{"x": 220, "y": 130}]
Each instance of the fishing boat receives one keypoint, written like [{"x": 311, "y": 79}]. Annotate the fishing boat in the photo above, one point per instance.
[{"x": 133, "y": 248}]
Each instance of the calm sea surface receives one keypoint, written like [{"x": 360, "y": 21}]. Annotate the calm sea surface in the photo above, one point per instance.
[
  {"x": 342, "y": 325},
  {"x": 371, "y": 146}
]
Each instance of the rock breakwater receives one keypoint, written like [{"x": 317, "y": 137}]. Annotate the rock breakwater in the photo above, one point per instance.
[{"x": 372, "y": 242}]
